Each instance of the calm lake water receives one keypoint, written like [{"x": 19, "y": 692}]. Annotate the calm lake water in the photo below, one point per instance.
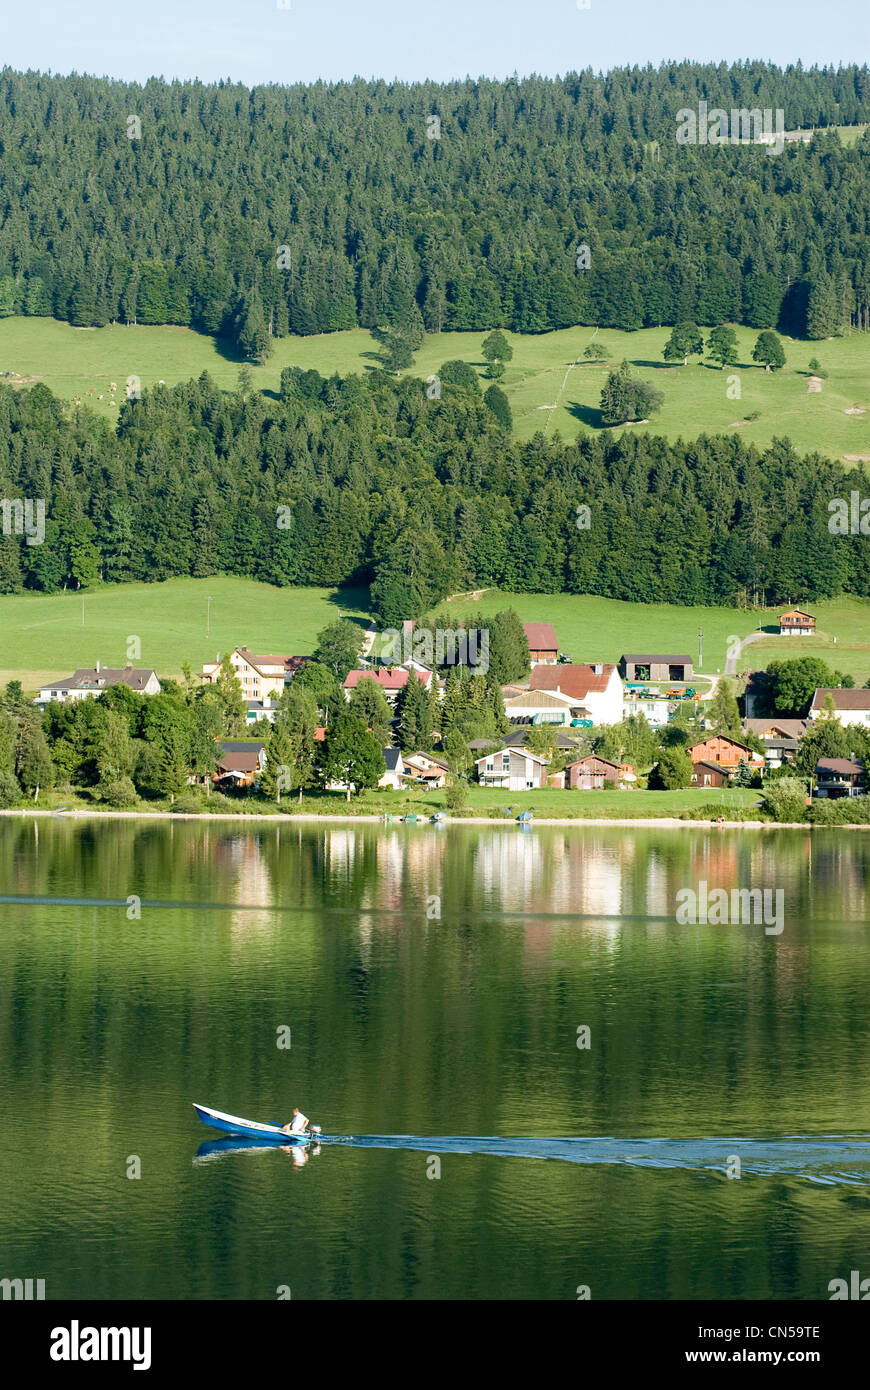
[{"x": 456, "y": 1032}]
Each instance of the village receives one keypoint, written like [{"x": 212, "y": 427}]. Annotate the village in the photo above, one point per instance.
[{"x": 572, "y": 726}]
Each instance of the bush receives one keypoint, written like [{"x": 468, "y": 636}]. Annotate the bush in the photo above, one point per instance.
[
  {"x": 187, "y": 802},
  {"x": 786, "y": 800},
  {"x": 846, "y": 810},
  {"x": 457, "y": 795},
  {"x": 10, "y": 791},
  {"x": 119, "y": 793}
]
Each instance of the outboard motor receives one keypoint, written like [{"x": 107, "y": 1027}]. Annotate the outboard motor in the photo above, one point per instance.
[{"x": 316, "y": 1129}]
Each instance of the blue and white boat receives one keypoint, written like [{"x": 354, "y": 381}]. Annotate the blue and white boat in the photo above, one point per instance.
[{"x": 233, "y": 1124}]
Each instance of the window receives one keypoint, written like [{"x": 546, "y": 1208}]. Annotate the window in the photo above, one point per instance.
[
  {"x": 529, "y": 784},
  {"x": 490, "y": 767},
  {"x": 707, "y": 779}
]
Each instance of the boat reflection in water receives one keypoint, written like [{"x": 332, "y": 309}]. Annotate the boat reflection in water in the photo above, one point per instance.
[{"x": 216, "y": 1148}]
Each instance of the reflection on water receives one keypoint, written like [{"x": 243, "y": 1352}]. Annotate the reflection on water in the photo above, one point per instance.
[{"x": 433, "y": 982}]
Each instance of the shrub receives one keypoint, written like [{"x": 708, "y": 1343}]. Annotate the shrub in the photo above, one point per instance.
[
  {"x": 119, "y": 793},
  {"x": 187, "y": 802},
  {"x": 457, "y": 795},
  {"x": 786, "y": 800},
  {"x": 847, "y": 810}
]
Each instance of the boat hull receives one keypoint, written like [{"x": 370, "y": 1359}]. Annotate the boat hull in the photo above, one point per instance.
[{"x": 234, "y": 1124}]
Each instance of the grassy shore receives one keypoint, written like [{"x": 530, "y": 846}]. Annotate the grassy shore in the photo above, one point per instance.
[
  {"x": 547, "y": 389},
  {"x": 484, "y": 803}
]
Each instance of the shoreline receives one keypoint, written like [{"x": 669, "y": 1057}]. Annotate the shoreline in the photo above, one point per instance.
[{"x": 310, "y": 817}]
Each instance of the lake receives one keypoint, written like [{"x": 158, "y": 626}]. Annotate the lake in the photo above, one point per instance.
[{"x": 460, "y": 1004}]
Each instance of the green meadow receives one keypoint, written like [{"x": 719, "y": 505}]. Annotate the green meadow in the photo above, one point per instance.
[
  {"x": 549, "y": 387},
  {"x": 45, "y": 637}
]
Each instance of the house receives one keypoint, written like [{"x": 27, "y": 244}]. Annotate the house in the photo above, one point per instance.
[
  {"x": 656, "y": 709},
  {"x": 261, "y": 677},
  {"x": 592, "y": 772},
  {"x": 513, "y": 769},
  {"x": 543, "y": 647},
  {"x": 260, "y": 709},
  {"x": 707, "y": 774},
  {"x": 781, "y": 738},
  {"x": 796, "y": 624},
  {"x": 395, "y": 773},
  {"x": 850, "y": 706},
  {"x": 426, "y": 768},
  {"x": 774, "y": 726},
  {"x": 837, "y": 777},
  {"x": 391, "y": 680},
  {"x": 594, "y": 689},
  {"x": 725, "y": 752},
  {"x": 656, "y": 668},
  {"x": 91, "y": 681},
  {"x": 240, "y": 762}
]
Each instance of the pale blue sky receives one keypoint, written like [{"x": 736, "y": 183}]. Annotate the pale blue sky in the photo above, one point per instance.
[{"x": 254, "y": 41}]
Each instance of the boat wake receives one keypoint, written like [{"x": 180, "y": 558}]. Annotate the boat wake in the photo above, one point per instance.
[{"x": 828, "y": 1159}]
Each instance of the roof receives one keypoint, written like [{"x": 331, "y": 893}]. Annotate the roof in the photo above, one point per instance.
[
  {"x": 843, "y": 699},
  {"x": 435, "y": 758},
  {"x": 518, "y": 738},
  {"x": 89, "y": 678},
  {"x": 659, "y": 657},
  {"x": 239, "y": 762},
  {"x": 846, "y": 767},
  {"x": 796, "y": 613},
  {"x": 593, "y": 758},
  {"x": 535, "y": 757},
  {"x": 573, "y": 681},
  {"x": 387, "y": 677},
  {"x": 717, "y": 767},
  {"x": 789, "y": 728},
  {"x": 726, "y": 738},
  {"x": 541, "y": 637},
  {"x": 291, "y": 664},
  {"x": 392, "y": 758},
  {"x": 238, "y": 745}
]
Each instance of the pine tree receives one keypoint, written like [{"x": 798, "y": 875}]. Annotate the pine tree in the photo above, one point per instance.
[
  {"x": 277, "y": 775},
  {"x": 823, "y": 311}
]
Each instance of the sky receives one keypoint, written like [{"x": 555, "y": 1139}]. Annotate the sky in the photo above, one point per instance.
[{"x": 258, "y": 41}]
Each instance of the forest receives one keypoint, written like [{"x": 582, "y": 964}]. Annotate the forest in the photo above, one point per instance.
[
  {"x": 529, "y": 204},
  {"x": 369, "y": 480}
]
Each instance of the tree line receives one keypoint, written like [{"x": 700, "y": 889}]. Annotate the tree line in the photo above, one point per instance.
[
  {"x": 368, "y": 480},
  {"x": 529, "y": 204}
]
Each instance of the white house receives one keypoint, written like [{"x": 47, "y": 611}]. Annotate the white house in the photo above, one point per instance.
[
  {"x": 90, "y": 681},
  {"x": 594, "y": 689},
  {"x": 394, "y": 776},
  {"x": 513, "y": 769},
  {"x": 655, "y": 709},
  {"x": 851, "y": 706}
]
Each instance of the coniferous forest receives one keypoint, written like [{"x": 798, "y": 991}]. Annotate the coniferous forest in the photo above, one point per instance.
[
  {"x": 249, "y": 214},
  {"x": 370, "y": 480}
]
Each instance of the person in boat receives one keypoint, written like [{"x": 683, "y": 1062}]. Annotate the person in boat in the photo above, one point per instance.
[{"x": 298, "y": 1124}]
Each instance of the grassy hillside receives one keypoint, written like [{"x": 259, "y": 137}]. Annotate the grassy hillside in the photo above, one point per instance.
[
  {"x": 546, "y": 390},
  {"x": 43, "y": 637}
]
